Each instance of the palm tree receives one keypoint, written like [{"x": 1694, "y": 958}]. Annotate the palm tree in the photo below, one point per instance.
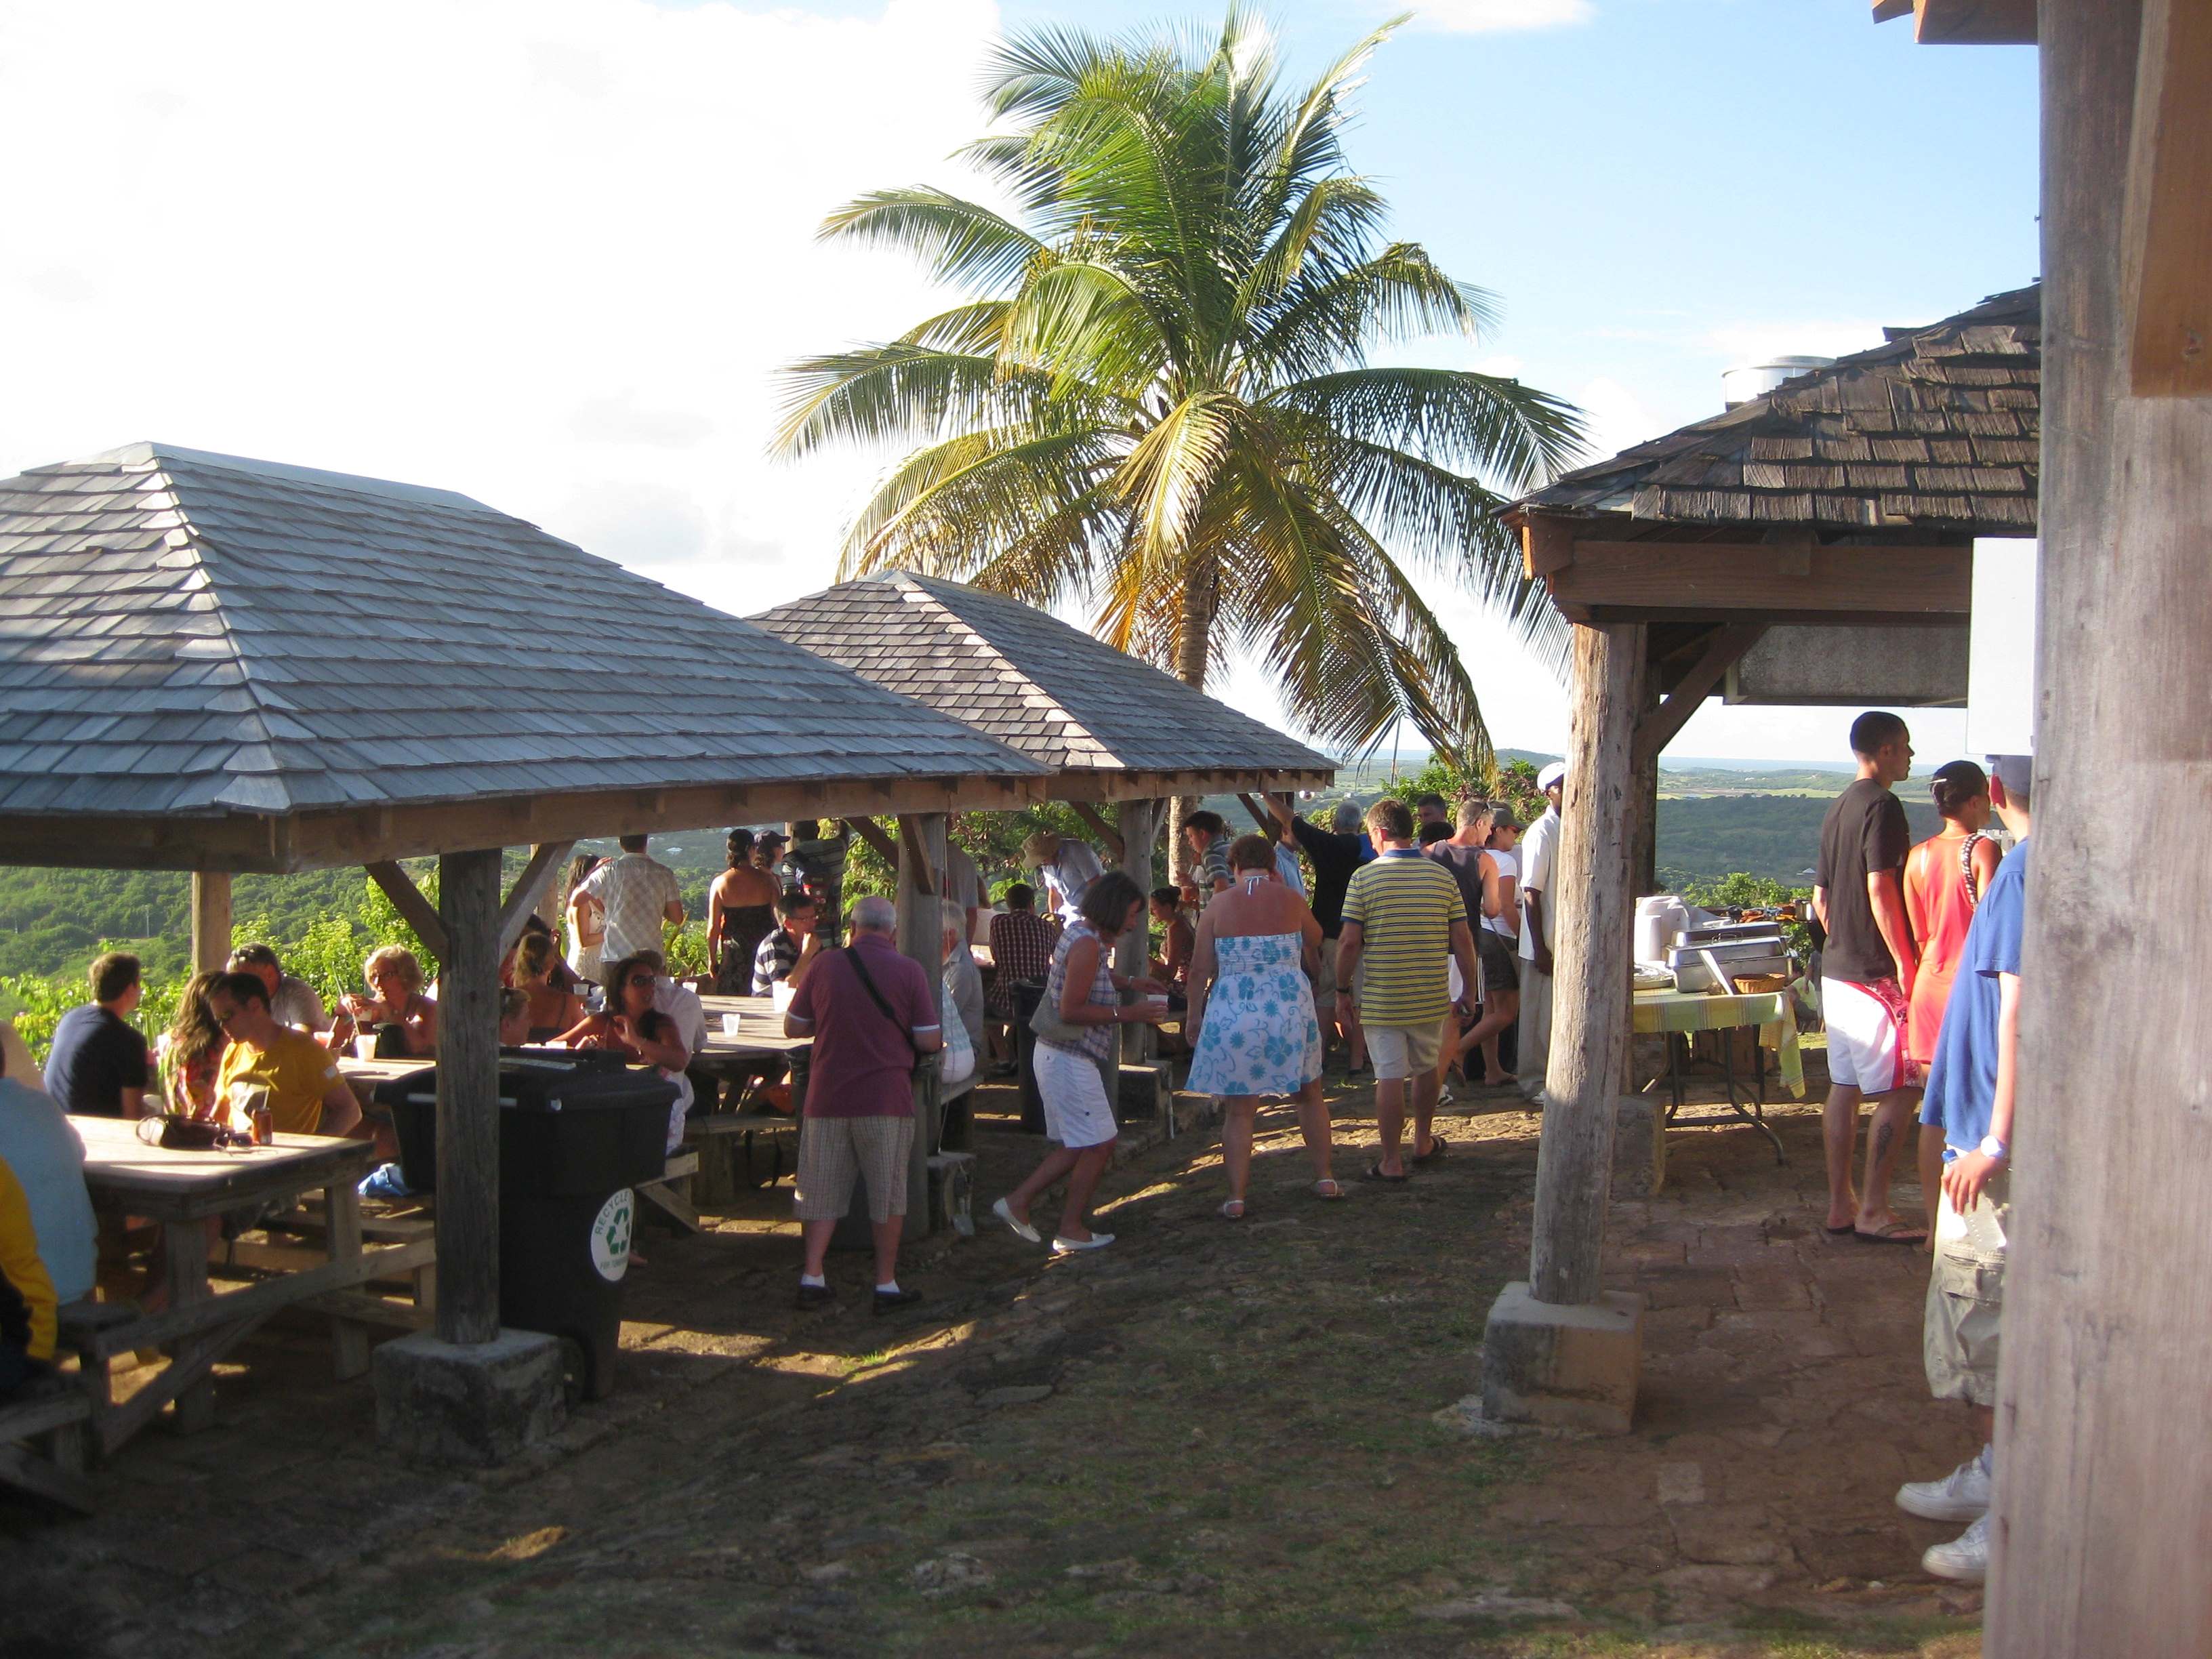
[{"x": 1158, "y": 396}]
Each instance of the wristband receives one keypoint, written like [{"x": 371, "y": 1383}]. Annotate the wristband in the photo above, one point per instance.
[{"x": 1991, "y": 1147}]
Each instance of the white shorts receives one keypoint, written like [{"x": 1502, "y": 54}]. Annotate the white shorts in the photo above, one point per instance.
[
  {"x": 1866, "y": 1042},
  {"x": 1076, "y": 1113},
  {"x": 1403, "y": 1051}
]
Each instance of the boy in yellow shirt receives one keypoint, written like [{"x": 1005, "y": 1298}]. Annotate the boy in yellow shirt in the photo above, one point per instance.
[{"x": 306, "y": 1095}]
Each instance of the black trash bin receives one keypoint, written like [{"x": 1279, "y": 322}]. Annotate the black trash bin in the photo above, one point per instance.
[
  {"x": 1029, "y": 996},
  {"x": 577, "y": 1131}
]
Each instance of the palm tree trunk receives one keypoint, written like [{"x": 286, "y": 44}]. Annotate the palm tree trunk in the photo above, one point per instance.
[{"x": 1200, "y": 598}]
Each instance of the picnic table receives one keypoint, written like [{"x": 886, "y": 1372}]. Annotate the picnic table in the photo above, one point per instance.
[
  {"x": 1679, "y": 1013},
  {"x": 182, "y": 1190}
]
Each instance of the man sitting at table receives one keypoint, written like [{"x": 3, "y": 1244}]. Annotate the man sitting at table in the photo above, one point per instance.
[
  {"x": 306, "y": 1096},
  {"x": 98, "y": 1063},
  {"x": 788, "y": 954},
  {"x": 38, "y": 1141},
  {"x": 291, "y": 999}
]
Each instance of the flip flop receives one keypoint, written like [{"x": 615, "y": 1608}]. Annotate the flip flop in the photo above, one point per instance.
[
  {"x": 1334, "y": 1189},
  {"x": 1892, "y": 1232},
  {"x": 1375, "y": 1173},
  {"x": 1438, "y": 1147},
  {"x": 1233, "y": 1210},
  {"x": 1837, "y": 1232}
]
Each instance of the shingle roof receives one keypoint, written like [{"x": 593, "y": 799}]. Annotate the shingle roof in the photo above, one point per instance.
[
  {"x": 183, "y": 633},
  {"x": 1937, "y": 428},
  {"x": 1029, "y": 679}
]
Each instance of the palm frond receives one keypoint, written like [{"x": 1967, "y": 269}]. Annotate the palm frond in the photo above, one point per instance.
[
  {"x": 888, "y": 392},
  {"x": 1514, "y": 433},
  {"x": 962, "y": 242}
]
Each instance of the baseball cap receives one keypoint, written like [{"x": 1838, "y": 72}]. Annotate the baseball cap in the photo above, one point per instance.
[{"x": 1556, "y": 772}]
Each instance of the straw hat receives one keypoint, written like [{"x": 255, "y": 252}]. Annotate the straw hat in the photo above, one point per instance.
[{"x": 1039, "y": 850}]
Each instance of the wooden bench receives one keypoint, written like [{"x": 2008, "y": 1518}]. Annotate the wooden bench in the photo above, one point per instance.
[
  {"x": 718, "y": 1139},
  {"x": 670, "y": 1195}
]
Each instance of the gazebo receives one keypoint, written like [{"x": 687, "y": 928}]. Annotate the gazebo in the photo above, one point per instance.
[
  {"x": 219, "y": 664},
  {"x": 1108, "y": 726},
  {"x": 1814, "y": 544}
]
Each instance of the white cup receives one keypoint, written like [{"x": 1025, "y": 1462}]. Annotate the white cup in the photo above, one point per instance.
[
  {"x": 734, "y": 1024},
  {"x": 364, "y": 1046}
]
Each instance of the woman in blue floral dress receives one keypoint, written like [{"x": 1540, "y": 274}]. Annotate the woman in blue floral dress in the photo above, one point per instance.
[{"x": 1251, "y": 1013}]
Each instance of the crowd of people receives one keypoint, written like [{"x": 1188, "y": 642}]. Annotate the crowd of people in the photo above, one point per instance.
[{"x": 1920, "y": 988}]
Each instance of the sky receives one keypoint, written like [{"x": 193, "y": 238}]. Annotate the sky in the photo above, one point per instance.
[{"x": 551, "y": 253}]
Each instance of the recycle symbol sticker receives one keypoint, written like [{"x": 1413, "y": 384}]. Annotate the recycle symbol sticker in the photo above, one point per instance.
[{"x": 610, "y": 1233}]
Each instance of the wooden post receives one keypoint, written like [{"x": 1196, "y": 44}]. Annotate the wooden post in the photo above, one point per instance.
[
  {"x": 1139, "y": 822},
  {"x": 1642, "y": 823},
  {"x": 468, "y": 1097},
  {"x": 920, "y": 936},
  {"x": 1590, "y": 1008},
  {"x": 2103, "y": 1509},
  {"x": 211, "y": 920}
]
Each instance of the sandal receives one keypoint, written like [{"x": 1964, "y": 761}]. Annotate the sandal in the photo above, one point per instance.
[
  {"x": 1892, "y": 1233},
  {"x": 1329, "y": 1189},
  {"x": 1233, "y": 1210},
  {"x": 1438, "y": 1146},
  {"x": 1375, "y": 1173}
]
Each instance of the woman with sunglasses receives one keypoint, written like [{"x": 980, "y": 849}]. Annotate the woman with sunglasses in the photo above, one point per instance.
[{"x": 631, "y": 1025}]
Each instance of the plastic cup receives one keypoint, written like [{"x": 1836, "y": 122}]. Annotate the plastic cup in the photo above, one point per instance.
[{"x": 734, "y": 1024}]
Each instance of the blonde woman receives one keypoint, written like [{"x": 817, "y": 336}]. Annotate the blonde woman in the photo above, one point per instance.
[{"x": 395, "y": 984}]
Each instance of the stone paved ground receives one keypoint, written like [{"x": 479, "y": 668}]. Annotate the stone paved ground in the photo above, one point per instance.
[{"x": 1211, "y": 1439}]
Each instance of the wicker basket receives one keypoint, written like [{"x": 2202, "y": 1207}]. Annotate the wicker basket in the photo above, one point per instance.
[{"x": 1759, "y": 984}]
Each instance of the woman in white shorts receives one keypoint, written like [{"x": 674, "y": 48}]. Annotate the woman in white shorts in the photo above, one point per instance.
[{"x": 1071, "y": 1075}]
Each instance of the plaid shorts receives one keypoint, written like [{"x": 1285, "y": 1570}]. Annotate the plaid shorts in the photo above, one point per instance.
[{"x": 834, "y": 1150}]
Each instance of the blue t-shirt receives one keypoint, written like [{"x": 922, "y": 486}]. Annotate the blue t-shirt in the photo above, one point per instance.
[
  {"x": 47, "y": 1155},
  {"x": 93, "y": 1058},
  {"x": 1962, "y": 1078}
]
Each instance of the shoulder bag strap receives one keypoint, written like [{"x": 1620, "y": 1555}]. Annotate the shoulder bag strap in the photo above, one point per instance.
[
  {"x": 867, "y": 983},
  {"x": 1966, "y": 868}
]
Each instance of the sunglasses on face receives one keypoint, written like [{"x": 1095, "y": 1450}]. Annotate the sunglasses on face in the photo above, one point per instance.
[{"x": 640, "y": 981}]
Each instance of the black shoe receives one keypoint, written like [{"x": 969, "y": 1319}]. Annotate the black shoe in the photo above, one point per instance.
[
  {"x": 811, "y": 1296},
  {"x": 891, "y": 1301}
]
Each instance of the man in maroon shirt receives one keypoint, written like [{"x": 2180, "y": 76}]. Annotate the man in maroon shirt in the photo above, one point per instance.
[{"x": 872, "y": 1014}]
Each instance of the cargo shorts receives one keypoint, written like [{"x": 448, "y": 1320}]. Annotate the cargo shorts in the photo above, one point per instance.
[{"x": 1965, "y": 1297}]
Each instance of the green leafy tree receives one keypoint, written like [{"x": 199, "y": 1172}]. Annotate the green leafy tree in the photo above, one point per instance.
[{"x": 1160, "y": 395}]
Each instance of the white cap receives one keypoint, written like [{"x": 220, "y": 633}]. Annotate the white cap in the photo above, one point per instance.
[{"x": 1554, "y": 772}]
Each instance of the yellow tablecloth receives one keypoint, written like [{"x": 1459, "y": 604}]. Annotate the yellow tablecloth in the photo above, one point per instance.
[{"x": 1770, "y": 1010}]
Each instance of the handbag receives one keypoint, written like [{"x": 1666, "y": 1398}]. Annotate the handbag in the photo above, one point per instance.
[
  {"x": 956, "y": 1063},
  {"x": 1047, "y": 1025}
]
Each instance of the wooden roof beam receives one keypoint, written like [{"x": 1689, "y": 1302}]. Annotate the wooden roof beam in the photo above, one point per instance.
[
  {"x": 1793, "y": 578},
  {"x": 2165, "y": 237},
  {"x": 1657, "y": 727},
  {"x": 1964, "y": 22}
]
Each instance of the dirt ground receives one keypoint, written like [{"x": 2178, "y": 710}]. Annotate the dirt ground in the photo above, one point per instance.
[{"x": 1212, "y": 1438}]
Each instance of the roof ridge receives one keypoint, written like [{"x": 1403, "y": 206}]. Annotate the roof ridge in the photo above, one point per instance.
[{"x": 914, "y": 581}]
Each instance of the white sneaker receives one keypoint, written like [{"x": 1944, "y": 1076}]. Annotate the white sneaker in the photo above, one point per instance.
[
  {"x": 1965, "y": 1558},
  {"x": 1005, "y": 1212},
  {"x": 1064, "y": 1246},
  {"x": 1962, "y": 1495}
]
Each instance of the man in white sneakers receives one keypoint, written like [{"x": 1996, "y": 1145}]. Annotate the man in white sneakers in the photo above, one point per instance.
[{"x": 1970, "y": 1095}]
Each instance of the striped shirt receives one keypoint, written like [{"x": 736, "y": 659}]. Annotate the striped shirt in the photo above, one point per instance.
[{"x": 1404, "y": 905}]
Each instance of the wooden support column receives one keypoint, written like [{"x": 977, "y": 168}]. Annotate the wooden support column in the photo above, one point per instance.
[
  {"x": 414, "y": 908},
  {"x": 468, "y": 1096},
  {"x": 872, "y": 832},
  {"x": 1108, "y": 836},
  {"x": 1590, "y": 1008},
  {"x": 1643, "y": 819},
  {"x": 2103, "y": 1512},
  {"x": 920, "y": 936},
  {"x": 211, "y": 920},
  {"x": 530, "y": 888},
  {"x": 1139, "y": 824}
]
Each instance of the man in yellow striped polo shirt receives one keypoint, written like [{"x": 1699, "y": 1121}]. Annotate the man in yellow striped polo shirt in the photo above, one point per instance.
[{"x": 1403, "y": 921}]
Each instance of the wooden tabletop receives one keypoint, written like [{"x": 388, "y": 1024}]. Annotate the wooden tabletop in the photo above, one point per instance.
[
  {"x": 174, "y": 1184},
  {"x": 760, "y": 1027}
]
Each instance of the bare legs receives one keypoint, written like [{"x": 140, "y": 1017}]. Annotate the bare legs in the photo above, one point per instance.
[
  {"x": 1886, "y": 1134},
  {"x": 1390, "y": 1116},
  {"x": 1083, "y": 1167},
  {"x": 1238, "y": 1130},
  {"x": 817, "y": 1234},
  {"x": 1930, "y": 1157},
  {"x": 1503, "y": 1009}
]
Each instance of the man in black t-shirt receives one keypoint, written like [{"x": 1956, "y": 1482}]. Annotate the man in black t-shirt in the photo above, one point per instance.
[
  {"x": 97, "y": 1065},
  {"x": 1866, "y": 979},
  {"x": 1334, "y": 856}
]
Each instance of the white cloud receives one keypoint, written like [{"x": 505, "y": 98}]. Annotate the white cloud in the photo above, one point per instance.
[
  {"x": 1494, "y": 16},
  {"x": 549, "y": 252},
  {"x": 1618, "y": 418}
]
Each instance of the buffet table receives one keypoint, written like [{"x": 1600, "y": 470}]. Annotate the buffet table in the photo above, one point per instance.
[{"x": 1679, "y": 1013}]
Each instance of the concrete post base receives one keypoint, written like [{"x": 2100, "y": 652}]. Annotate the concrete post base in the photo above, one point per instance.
[
  {"x": 1564, "y": 1367},
  {"x": 478, "y": 1405},
  {"x": 1639, "y": 1146}
]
